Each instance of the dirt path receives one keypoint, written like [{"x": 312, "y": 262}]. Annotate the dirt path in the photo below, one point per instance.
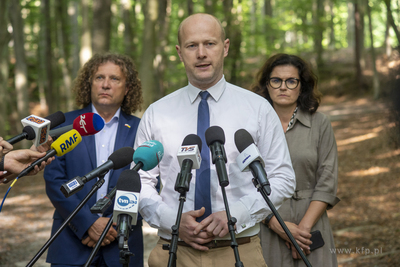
[{"x": 366, "y": 222}]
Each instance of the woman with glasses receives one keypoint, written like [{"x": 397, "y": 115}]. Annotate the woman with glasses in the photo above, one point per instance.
[{"x": 289, "y": 84}]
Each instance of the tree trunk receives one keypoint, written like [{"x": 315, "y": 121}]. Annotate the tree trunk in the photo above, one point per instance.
[
  {"x": 51, "y": 93},
  {"x": 318, "y": 31},
  {"x": 375, "y": 82},
  {"x": 66, "y": 96},
  {"x": 350, "y": 24},
  {"x": 5, "y": 38},
  {"x": 387, "y": 44},
  {"x": 101, "y": 25},
  {"x": 391, "y": 21},
  {"x": 190, "y": 7},
  {"x": 357, "y": 46},
  {"x": 129, "y": 47},
  {"x": 20, "y": 70},
  {"x": 86, "y": 38},
  {"x": 73, "y": 7},
  {"x": 332, "y": 39},
  {"x": 162, "y": 57},
  {"x": 147, "y": 71}
]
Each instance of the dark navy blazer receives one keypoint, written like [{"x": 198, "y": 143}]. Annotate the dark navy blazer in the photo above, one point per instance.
[{"x": 67, "y": 248}]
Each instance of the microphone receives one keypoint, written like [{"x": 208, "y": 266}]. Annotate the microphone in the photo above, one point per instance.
[
  {"x": 189, "y": 157},
  {"x": 250, "y": 158},
  {"x": 126, "y": 204},
  {"x": 118, "y": 159},
  {"x": 37, "y": 128},
  {"x": 60, "y": 147},
  {"x": 147, "y": 156},
  {"x": 215, "y": 139},
  {"x": 86, "y": 124}
]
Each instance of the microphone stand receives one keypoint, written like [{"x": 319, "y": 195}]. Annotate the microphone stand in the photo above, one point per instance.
[
  {"x": 263, "y": 191},
  {"x": 231, "y": 226},
  {"x": 181, "y": 186},
  {"x": 95, "y": 187}
]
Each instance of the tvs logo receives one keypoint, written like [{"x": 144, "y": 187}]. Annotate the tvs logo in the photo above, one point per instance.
[
  {"x": 127, "y": 201},
  {"x": 187, "y": 149}
]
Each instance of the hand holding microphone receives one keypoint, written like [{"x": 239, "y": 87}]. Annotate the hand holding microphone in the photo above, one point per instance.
[
  {"x": 250, "y": 158},
  {"x": 37, "y": 128}
]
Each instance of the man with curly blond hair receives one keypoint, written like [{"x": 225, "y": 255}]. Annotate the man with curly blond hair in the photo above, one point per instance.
[{"x": 108, "y": 85}]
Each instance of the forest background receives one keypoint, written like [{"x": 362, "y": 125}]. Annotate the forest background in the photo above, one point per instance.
[{"x": 353, "y": 47}]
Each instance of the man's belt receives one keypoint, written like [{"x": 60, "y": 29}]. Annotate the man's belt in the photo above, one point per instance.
[{"x": 215, "y": 243}]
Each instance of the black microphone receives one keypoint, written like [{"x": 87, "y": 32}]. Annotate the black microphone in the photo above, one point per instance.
[
  {"x": 116, "y": 160},
  {"x": 250, "y": 157},
  {"x": 189, "y": 157},
  {"x": 215, "y": 139},
  {"x": 37, "y": 128},
  {"x": 126, "y": 204},
  {"x": 147, "y": 156}
]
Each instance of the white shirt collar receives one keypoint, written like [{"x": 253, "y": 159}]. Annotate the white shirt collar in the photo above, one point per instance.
[
  {"x": 215, "y": 90},
  {"x": 116, "y": 115}
]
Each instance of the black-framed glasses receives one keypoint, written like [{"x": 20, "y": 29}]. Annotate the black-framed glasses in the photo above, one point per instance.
[{"x": 291, "y": 83}]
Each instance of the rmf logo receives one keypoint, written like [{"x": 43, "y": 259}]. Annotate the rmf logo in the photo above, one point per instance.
[
  {"x": 68, "y": 143},
  {"x": 35, "y": 119},
  {"x": 187, "y": 148}
]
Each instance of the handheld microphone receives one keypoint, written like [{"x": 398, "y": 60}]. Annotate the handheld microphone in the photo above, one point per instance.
[
  {"x": 215, "y": 139},
  {"x": 189, "y": 157},
  {"x": 126, "y": 204},
  {"x": 116, "y": 160},
  {"x": 60, "y": 147},
  {"x": 86, "y": 124},
  {"x": 147, "y": 156},
  {"x": 250, "y": 158},
  {"x": 37, "y": 128}
]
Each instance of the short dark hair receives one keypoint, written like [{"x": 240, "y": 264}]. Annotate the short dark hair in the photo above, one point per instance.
[
  {"x": 309, "y": 98},
  {"x": 83, "y": 83}
]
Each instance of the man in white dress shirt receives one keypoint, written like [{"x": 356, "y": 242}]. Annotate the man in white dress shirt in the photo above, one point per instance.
[{"x": 202, "y": 48}]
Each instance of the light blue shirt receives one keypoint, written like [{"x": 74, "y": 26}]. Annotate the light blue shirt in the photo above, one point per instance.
[{"x": 105, "y": 141}]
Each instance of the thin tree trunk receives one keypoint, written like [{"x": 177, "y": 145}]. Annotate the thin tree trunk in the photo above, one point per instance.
[
  {"x": 5, "y": 37},
  {"x": 209, "y": 6},
  {"x": 128, "y": 32},
  {"x": 50, "y": 92},
  {"x": 73, "y": 13},
  {"x": 163, "y": 31},
  {"x": 357, "y": 47},
  {"x": 375, "y": 82},
  {"x": 332, "y": 39},
  {"x": 66, "y": 95},
  {"x": 101, "y": 25},
  {"x": 318, "y": 31},
  {"x": 147, "y": 71},
  {"x": 388, "y": 46},
  {"x": 86, "y": 38},
  {"x": 20, "y": 70},
  {"x": 391, "y": 20},
  {"x": 190, "y": 7}
]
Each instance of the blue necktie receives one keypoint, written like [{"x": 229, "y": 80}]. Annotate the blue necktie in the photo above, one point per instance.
[{"x": 202, "y": 193}]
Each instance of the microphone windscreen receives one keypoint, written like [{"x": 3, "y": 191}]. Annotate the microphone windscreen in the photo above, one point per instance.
[
  {"x": 122, "y": 157},
  {"x": 30, "y": 132},
  {"x": 56, "y": 119},
  {"x": 66, "y": 142},
  {"x": 88, "y": 123},
  {"x": 149, "y": 153},
  {"x": 192, "y": 139},
  {"x": 243, "y": 139},
  {"x": 215, "y": 134},
  {"x": 129, "y": 180}
]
